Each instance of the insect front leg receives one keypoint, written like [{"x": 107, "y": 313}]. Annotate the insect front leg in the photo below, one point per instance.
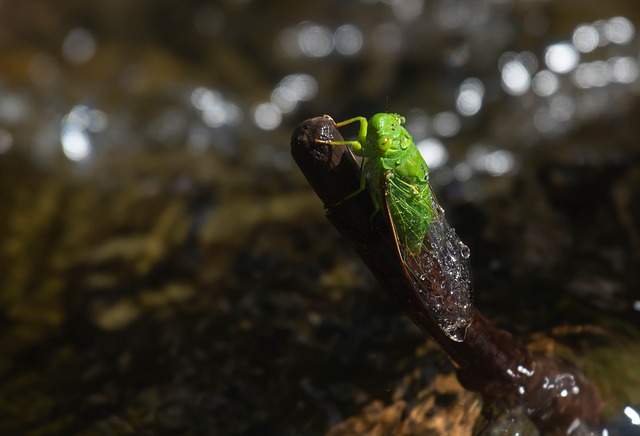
[
  {"x": 362, "y": 132},
  {"x": 357, "y": 144},
  {"x": 354, "y": 144}
]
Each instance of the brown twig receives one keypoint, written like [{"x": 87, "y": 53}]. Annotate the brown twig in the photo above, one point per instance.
[{"x": 491, "y": 361}]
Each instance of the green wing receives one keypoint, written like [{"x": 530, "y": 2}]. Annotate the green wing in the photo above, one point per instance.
[{"x": 434, "y": 258}]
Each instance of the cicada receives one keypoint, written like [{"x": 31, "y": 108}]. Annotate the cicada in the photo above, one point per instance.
[{"x": 435, "y": 261}]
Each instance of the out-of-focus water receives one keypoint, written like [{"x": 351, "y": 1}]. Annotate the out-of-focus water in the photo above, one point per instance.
[{"x": 164, "y": 266}]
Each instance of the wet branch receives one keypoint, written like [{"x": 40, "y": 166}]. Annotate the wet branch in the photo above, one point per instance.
[{"x": 491, "y": 361}]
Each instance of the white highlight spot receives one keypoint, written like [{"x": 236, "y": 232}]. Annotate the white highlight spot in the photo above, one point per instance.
[
  {"x": 470, "y": 94},
  {"x": 74, "y": 136},
  {"x": 632, "y": 415},
  {"x": 562, "y": 57},
  {"x": 75, "y": 143},
  {"x": 515, "y": 78}
]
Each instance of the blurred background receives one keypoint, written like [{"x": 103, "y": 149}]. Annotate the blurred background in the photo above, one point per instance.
[{"x": 165, "y": 268}]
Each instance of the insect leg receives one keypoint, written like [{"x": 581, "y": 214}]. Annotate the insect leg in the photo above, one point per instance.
[
  {"x": 357, "y": 146},
  {"x": 362, "y": 133},
  {"x": 354, "y": 144},
  {"x": 362, "y": 187}
]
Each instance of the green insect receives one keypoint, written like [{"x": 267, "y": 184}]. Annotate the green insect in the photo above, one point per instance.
[{"x": 434, "y": 258}]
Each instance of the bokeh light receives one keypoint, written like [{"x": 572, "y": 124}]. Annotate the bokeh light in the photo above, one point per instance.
[
  {"x": 462, "y": 172},
  {"x": 347, "y": 39},
  {"x": 545, "y": 83},
  {"x": 622, "y": 69},
  {"x": 76, "y": 128},
  {"x": 544, "y": 122},
  {"x": 293, "y": 89},
  {"x": 499, "y": 162},
  {"x": 591, "y": 75},
  {"x": 470, "y": 95},
  {"x": 586, "y": 38},
  {"x": 216, "y": 110},
  {"x": 562, "y": 57},
  {"x": 485, "y": 159},
  {"x": 75, "y": 143},
  {"x": 314, "y": 40},
  {"x": 198, "y": 140},
  {"x": 619, "y": 30},
  {"x": 267, "y": 116},
  {"x": 79, "y": 46},
  {"x": 516, "y": 79},
  {"x": 562, "y": 107},
  {"x": 14, "y": 108},
  {"x": 446, "y": 124}
]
